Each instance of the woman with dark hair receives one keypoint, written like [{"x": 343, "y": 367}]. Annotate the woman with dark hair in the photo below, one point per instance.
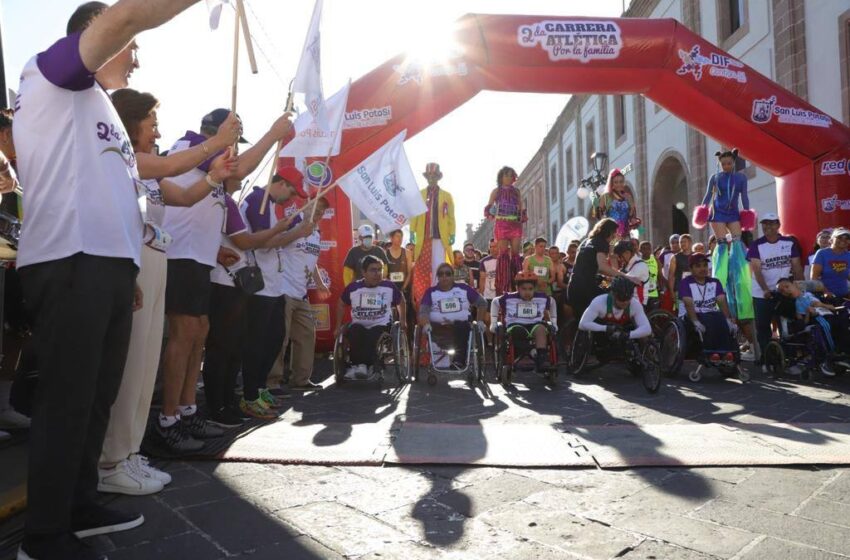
[
  {"x": 592, "y": 260},
  {"x": 505, "y": 207},
  {"x": 618, "y": 204},
  {"x": 720, "y": 208}
]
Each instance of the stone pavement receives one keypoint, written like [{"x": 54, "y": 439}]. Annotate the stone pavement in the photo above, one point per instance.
[{"x": 255, "y": 511}]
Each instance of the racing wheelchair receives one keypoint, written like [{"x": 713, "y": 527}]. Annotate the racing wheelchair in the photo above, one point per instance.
[
  {"x": 435, "y": 351},
  {"x": 391, "y": 351},
  {"x": 679, "y": 341},
  {"x": 641, "y": 356}
]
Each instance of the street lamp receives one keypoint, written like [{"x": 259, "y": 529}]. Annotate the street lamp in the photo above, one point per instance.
[
  {"x": 600, "y": 161},
  {"x": 596, "y": 179}
]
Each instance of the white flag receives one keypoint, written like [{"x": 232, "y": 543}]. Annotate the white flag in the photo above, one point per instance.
[
  {"x": 214, "y": 8},
  {"x": 383, "y": 186},
  {"x": 308, "y": 77},
  {"x": 313, "y": 140}
]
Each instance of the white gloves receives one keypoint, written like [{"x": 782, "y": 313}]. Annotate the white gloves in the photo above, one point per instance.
[
  {"x": 733, "y": 326},
  {"x": 700, "y": 328}
]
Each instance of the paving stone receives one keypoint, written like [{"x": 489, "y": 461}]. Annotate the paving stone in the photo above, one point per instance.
[
  {"x": 694, "y": 534},
  {"x": 342, "y": 529},
  {"x": 160, "y": 521},
  {"x": 237, "y": 525},
  {"x": 254, "y": 482},
  {"x": 299, "y": 548},
  {"x": 732, "y": 475},
  {"x": 561, "y": 530},
  {"x": 838, "y": 490},
  {"x": 796, "y": 529},
  {"x": 374, "y": 498},
  {"x": 187, "y": 545},
  {"x": 651, "y": 549},
  {"x": 327, "y": 484},
  {"x": 185, "y": 477},
  {"x": 406, "y": 550},
  {"x": 208, "y": 492},
  {"x": 827, "y": 511},
  {"x": 427, "y": 521},
  {"x": 773, "y": 549},
  {"x": 480, "y": 497},
  {"x": 229, "y": 469},
  {"x": 760, "y": 490}
]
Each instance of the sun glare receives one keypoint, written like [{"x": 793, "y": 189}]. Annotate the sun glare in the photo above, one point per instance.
[{"x": 433, "y": 44}]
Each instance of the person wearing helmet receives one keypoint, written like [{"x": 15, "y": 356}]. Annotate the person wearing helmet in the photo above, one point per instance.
[
  {"x": 526, "y": 313},
  {"x": 705, "y": 306},
  {"x": 618, "y": 314}
]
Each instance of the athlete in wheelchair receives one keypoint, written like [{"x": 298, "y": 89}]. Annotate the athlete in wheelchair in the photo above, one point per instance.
[
  {"x": 446, "y": 341},
  {"x": 814, "y": 334},
  {"x": 372, "y": 341},
  {"x": 526, "y": 328},
  {"x": 709, "y": 330},
  {"x": 615, "y": 327}
]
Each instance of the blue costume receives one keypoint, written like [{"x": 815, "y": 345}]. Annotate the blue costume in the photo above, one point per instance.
[
  {"x": 729, "y": 262},
  {"x": 724, "y": 190}
]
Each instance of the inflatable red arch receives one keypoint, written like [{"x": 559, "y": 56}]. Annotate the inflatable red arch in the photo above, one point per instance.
[{"x": 661, "y": 59}]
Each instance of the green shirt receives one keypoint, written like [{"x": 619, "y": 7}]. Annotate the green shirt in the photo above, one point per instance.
[
  {"x": 652, "y": 283},
  {"x": 541, "y": 269}
]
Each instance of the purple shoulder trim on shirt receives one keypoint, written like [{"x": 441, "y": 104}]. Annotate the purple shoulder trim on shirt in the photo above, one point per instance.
[
  {"x": 194, "y": 139},
  {"x": 346, "y": 293},
  {"x": 471, "y": 294},
  {"x": 795, "y": 248},
  {"x": 257, "y": 221},
  {"x": 63, "y": 66},
  {"x": 396, "y": 292},
  {"x": 719, "y": 291},
  {"x": 234, "y": 223},
  {"x": 427, "y": 300},
  {"x": 753, "y": 250}
]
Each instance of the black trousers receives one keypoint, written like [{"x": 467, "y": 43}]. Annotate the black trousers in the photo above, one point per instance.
[
  {"x": 223, "y": 354},
  {"x": 362, "y": 342},
  {"x": 82, "y": 313},
  {"x": 263, "y": 340}
]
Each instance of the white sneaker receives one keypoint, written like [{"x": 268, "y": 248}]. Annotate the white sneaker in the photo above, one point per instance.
[
  {"x": 827, "y": 370},
  {"x": 351, "y": 373},
  {"x": 362, "y": 371},
  {"x": 794, "y": 370},
  {"x": 127, "y": 478},
  {"x": 748, "y": 356},
  {"x": 145, "y": 466},
  {"x": 4, "y": 435},
  {"x": 13, "y": 420}
]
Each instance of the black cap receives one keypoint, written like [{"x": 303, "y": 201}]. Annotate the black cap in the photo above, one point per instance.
[{"x": 214, "y": 119}]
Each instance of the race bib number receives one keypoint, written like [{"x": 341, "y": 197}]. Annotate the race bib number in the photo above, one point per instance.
[
  {"x": 450, "y": 305},
  {"x": 371, "y": 301},
  {"x": 541, "y": 271},
  {"x": 526, "y": 310},
  {"x": 396, "y": 276},
  {"x": 160, "y": 239}
]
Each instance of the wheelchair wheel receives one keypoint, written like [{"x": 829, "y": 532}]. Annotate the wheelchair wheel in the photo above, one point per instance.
[
  {"x": 579, "y": 351},
  {"x": 478, "y": 350},
  {"x": 340, "y": 356},
  {"x": 417, "y": 351},
  {"x": 669, "y": 330},
  {"x": 774, "y": 359},
  {"x": 498, "y": 353},
  {"x": 401, "y": 354},
  {"x": 651, "y": 375},
  {"x": 552, "y": 375},
  {"x": 566, "y": 336}
]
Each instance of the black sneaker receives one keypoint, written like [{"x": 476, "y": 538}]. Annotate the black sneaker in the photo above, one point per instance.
[
  {"x": 101, "y": 520},
  {"x": 226, "y": 418},
  {"x": 309, "y": 386},
  {"x": 199, "y": 428},
  {"x": 56, "y": 547},
  {"x": 176, "y": 439}
]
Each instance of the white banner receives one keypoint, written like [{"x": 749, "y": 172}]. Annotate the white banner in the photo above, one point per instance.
[
  {"x": 384, "y": 187},
  {"x": 214, "y": 8},
  {"x": 312, "y": 140},
  {"x": 308, "y": 77}
]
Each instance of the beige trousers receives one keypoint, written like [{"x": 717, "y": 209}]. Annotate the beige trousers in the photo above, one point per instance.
[
  {"x": 301, "y": 332},
  {"x": 129, "y": 416}
]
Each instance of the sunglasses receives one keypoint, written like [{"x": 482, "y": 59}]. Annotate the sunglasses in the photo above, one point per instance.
[{"x": 439, "y": 274}]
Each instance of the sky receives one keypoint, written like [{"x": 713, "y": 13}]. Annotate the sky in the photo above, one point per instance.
[{"x": 188, "y": 68}]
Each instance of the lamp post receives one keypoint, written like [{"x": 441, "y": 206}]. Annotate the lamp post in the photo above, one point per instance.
[{"x": 596, "y": 178}]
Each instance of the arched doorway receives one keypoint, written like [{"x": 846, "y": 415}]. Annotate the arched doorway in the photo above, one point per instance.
[{"x": 669, "y": 198}]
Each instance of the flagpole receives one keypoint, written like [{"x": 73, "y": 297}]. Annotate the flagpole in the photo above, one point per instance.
[
  {"x": 249, "y": 44},
  {"x": 276, "y": 155},
  {"x": 235, "y": 61},
  {"x": 339, "y": 127}
]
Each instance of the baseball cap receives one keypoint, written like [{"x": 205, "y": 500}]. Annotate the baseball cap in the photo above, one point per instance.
[
  {"x": 214, "y": 119},
  {"x": 840, "y": 232},
  {"x": 674, "y": 237},
  {"x": 825, "y": 232},
  {"x": 365, "y": 231},
  {"x": 292, "y": 176},
  {"x": 769, "y": 217},
  {"x": 697, "y": 258}
]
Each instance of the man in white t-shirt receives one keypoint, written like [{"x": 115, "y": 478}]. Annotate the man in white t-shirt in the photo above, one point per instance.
[
  {"x": 635, "y": 269},
  {"x": 301, "y": 273},
  {"x": 78, "y": 259},
  {"x": 196, "y": 233},
  {"x": 772, "y": 257}
]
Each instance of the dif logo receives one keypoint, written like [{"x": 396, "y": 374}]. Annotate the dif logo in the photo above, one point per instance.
[{"x": 834, "y": 167}]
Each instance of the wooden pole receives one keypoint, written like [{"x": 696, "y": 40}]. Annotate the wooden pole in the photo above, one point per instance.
[
  {"x": 246, "y": 33},
  {"x": 272, "y": 171},
  {"x": 233, "y": 90}
]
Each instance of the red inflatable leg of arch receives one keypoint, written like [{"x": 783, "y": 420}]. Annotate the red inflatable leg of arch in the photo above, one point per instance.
[{"x": 661, "y": 59}]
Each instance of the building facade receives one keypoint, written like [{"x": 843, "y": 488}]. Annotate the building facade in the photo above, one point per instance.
[{"x": 804, "y": 45}]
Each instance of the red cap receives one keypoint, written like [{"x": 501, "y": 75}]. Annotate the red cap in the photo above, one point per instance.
[{"x": 294, "y": 177}]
